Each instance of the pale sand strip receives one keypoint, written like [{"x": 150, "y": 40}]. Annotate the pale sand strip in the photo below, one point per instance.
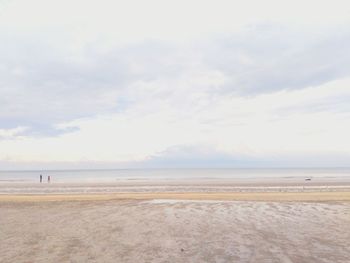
[{"x": 256, "y": 196}]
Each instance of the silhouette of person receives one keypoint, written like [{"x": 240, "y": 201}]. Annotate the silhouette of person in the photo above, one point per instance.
[
  {"x": 49, "y": 179},
  {"x": 41, "y": 178}
]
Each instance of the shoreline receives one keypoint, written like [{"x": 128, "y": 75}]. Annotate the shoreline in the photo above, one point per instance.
[{"x": 219, "y": 196}]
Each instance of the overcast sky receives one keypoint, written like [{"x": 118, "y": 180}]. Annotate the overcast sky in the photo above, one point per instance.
[{"x": 185, "y": 83}]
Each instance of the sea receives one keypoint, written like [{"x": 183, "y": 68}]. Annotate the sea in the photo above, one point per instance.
[{"x": 115, "y": 175}]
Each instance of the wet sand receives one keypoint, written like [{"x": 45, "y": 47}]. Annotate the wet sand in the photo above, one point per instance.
[
  {"x": 177, "y": 222},
  {"x": 250, "y": 185},
  {"x": 169, "y": 230}
]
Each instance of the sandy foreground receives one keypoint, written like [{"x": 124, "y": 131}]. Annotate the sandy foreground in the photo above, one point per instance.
[{"x": 176, "y": 227}]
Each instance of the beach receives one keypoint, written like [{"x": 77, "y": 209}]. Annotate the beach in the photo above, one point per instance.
[
  {"x": 170, "y": 230},
  {"x": 174, "y": 131},
  {"x": 178, "y": 221}
]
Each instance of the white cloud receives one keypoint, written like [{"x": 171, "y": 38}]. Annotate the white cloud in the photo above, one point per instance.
[
  {"x": 158, "y": 19},
  {"x": 130, "y": 81},
  {"x": 256, "y": 127},
  {"x": 9, "y": 134}
]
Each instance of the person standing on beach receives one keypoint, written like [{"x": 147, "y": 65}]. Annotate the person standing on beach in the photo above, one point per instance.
[
  {"x": 41, "y": 178},
  {"x": 49, "y": 179}
]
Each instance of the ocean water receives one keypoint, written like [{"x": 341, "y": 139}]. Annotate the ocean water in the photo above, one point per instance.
[{"x": 170, "y": 174}]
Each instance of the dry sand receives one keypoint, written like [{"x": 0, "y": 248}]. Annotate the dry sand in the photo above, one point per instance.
[
  {"x": 233, "y": 196},
  {"x": 122, "y": 228}
]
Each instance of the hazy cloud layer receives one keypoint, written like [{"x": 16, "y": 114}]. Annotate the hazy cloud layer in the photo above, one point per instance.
[
  {"x": 42, "y": 85},
  {"x": 77, "y": 72}
]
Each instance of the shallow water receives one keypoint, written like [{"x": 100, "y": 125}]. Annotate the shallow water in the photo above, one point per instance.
[{"x": 66, "y": 176}]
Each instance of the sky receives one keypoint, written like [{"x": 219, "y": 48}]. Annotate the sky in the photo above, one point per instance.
[{"x": 174, "y": 84}]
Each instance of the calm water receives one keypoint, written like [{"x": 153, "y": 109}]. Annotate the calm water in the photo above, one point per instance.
[{"x": 168, "y": 174}]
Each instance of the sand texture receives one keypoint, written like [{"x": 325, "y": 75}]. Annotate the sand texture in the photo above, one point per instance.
[
  {"x": 174, "y": 231},
  {"x": 233, "y": 196}
]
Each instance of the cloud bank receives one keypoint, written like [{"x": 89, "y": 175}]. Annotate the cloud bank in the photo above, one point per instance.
[{"x": 191, "y": 84}]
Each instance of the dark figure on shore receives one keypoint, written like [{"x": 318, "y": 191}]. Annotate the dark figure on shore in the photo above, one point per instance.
[
  {"x": 41, "y": 178},
  {"x": 49, "y": 179}
]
